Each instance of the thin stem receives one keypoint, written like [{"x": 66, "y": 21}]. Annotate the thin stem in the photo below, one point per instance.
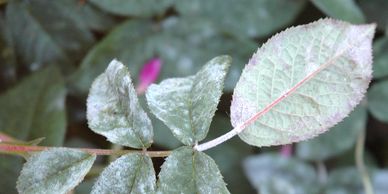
[
  {"x": 361, "y": 164},
  {"x": 22, "y": 149},
  {"x": 216, "y": 141}
]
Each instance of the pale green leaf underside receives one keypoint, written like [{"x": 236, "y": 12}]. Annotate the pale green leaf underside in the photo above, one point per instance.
[
  {"x": 187, "y": 105},
  {"x": 306, "y": 79},
  {"x": 55, "y": 171},
  {"x": 132, "y": 173},
  {"x": 187, "y": 171},
  {"x": 113, "y": 109}
]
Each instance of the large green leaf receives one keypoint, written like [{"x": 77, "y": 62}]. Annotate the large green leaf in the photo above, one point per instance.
[
  {"x": 187, "y": 105},
  {"x": 113, "y": 109},
  {"x": 303, "y": 81},
  {"x": 35, "y": 108},
  {"x": 376, "y": 11},
  {"x": 132, "y": 173},
  {"x": 339, "y": 139},
  {"x": 143, "y": 8},
  {"x": 276, "y": 174},
  {"x": 32, "y": 109},
  {"x": 55, "y": 171},
  {"x": 380, "y": 57},
  {"x": 183, "y": 44},
  {"x": 247, "y": 18},
  {"x": 188, "y": 171},
  {"x": 377, "y": 101},
  {"x": 344, "y": 9},
  {"x": 54, "y": 34}
]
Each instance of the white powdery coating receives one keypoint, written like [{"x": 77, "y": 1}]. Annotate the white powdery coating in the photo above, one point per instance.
[
  {"x": 187, "y": 105},
  {"x": 113, "y": 109},
  {"x": 343, "y": 54},
  {"x": 54, "y": 171},
  {"x": 131, "y": 173}
]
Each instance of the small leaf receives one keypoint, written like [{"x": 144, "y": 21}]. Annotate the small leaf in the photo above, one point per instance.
[
  {"x": 377, "y": 101},
  {"x": 187, "y": 105},
  {"x": 380, "y": 57},
  {"x": 113, "y": 109},
  {"x": 33, "y": 108},
  {"x": 54, "y": 171},
  {"x": 133, "y": 7},
  {"x": 250, "y": 18},
  {"x": 276, "y": 174},
  {"x": 339, "y": 139},
  {"x": 303, "y": 81},
  {"x": 132, "y": 173},
  {"x": 344, "y": 9},
  {"x": 190, "y": 171}
]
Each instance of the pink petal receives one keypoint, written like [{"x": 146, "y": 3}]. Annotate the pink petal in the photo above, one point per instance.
[{"x": 148, "y": 74}]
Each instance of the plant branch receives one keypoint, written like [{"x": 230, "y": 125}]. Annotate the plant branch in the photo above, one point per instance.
[
  {"x": 360, "y": 146},
  {"x": 22, "y": 149}
]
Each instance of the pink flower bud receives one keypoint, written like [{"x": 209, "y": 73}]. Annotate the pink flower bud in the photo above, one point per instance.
[{"x": 148, "y": 74}]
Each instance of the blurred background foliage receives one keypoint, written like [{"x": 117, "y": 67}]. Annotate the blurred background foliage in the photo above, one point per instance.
[{"x": 51, "y": 51}]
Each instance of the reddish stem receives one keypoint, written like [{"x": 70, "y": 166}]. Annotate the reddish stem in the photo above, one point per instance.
[{"x": 19, "y": 149}]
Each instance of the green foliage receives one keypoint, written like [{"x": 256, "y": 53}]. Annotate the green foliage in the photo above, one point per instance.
[
  {"x": 190, "y": 171},
  {"x": 300, "y": 82},
  {"x": 63, "y": 169},
  {"x": 131, "y": 173},
  {"x": 50, "y": 40},
  {"x": 376, "y": 11},
  {"x": 35, "y": 108},
  {"x": 347, "y": 181},
  {"x": 377, "y": 100},
  {"x": 114, "y": 110},
  {"x": 345, "y": 10},
  {"x": 32, "y": 109},
  {"x": 143, "y": 8},
  {"x": 187, "y": 105},
  {"x": 275, "y": 174},
  {"x": 184, "y": 45},
  {"x": 245, "y": 18},
  {"x": 380, "y": 64}
]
